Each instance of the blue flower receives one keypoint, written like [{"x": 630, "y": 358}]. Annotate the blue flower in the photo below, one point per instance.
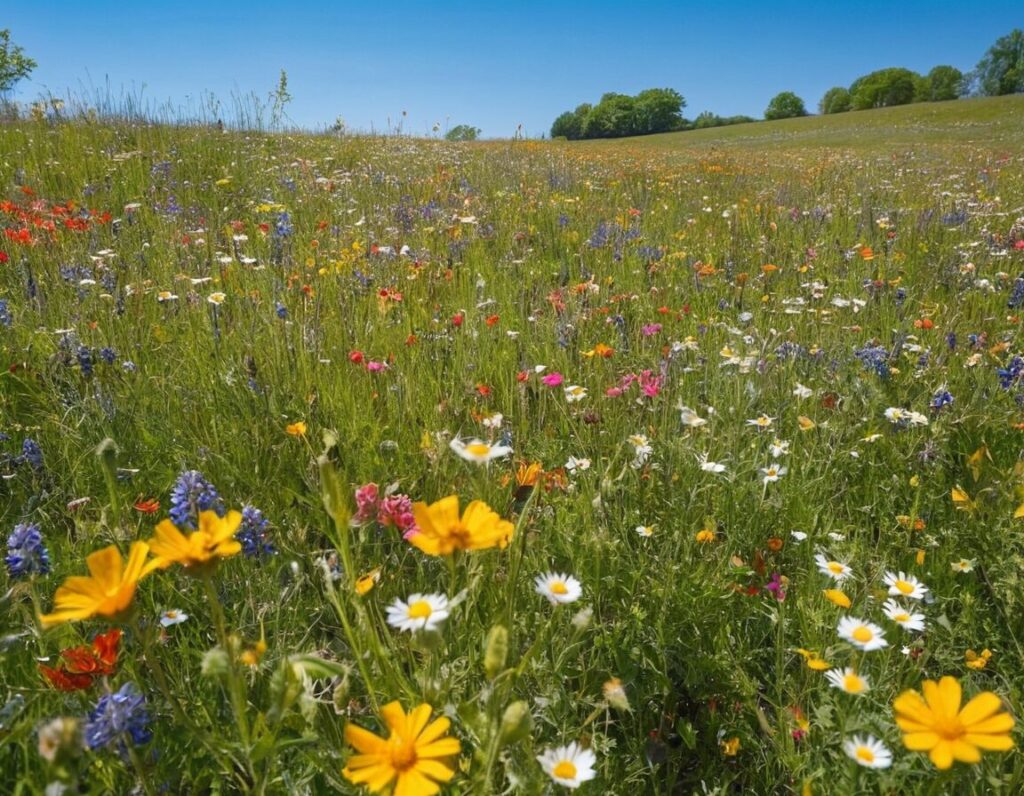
[
  {"x": 26, "y": 553},
  {"x": 940, "y": 399},
  {"x": 1011, "y": 374},
  {"x": 281, "y": 310},
  {"x": 252, "y": 533},
  {"x": 191, "y": 494},
  {"x": 108, "y": 355},
  {"x": 85, "y": 360},
  {"x": 874, "y": 358},
  {"x": 5, "y": 313},
  {"x": 32, "y": 453},
  {"x": 1017, "y": 294},
  {"x": 117, "y": 717}
]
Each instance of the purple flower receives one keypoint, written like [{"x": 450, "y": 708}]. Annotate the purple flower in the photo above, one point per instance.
[{"x": 117, "y": 717}]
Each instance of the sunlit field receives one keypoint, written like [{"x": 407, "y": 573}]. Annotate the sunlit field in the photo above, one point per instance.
[{"x": 683, "y": 465}]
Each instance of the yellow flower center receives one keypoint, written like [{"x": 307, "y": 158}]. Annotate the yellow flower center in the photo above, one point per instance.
[
  {"x": 948, "y": 728},
  {"x": 565, "y": 770},
  {"x": 904, "y": 587},
  {"x": 558, "y": 587},
  {"x": 865, "y": 755},
  {"x": 420, "y": 610},
  {"x": 863, "y": 634},
  {"x": 853, "y": 684},
  {"x": 902, "y": 617},
  {"x": 403, "y": 753},
  {"x": 835, "y": 567},
  {"x": 479, "y": 448}
]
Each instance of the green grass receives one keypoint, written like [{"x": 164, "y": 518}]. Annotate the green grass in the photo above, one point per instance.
[
  {"x": 988, "y": 122},
  {"x": 655, "y": 248}
]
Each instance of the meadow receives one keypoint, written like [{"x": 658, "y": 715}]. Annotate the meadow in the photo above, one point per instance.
[{"x": 689, "y": 464}]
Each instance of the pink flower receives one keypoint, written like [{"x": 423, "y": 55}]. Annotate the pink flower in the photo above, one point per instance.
[
  {"x": 613, "y": 392},
  {"x": 552, "y": 379},
  {"x": 367, "y": 497},
  {"x": 650, "y": 384},
  {"x": 650, "y": 329},
  {"x": 375, "y": 367},
  {"x": 396, "y": 510}
]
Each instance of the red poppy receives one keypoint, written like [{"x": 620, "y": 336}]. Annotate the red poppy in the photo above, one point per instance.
[
  {"x": 80, "y": 666},
  {"x": 147, "y": 505},
  {"x": 65, "y": 681}
]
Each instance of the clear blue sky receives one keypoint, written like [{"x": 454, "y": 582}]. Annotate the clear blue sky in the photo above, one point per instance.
[{"x": 492, "y": 65}]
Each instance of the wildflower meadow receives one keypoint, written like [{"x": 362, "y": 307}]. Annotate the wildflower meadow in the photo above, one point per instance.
[{"x": 370, "y": 464}]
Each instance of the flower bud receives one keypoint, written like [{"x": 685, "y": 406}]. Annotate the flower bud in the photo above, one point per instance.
[
  {"x": 495, "y": 651},
  {"x": 516, "y": 722}
]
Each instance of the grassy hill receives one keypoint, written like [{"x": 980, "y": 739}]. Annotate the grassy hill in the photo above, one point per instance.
[{"x": 989, "y": 121}]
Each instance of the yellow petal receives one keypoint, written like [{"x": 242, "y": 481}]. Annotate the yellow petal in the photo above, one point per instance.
[
  {"x": 412, "y": 783},
  {"x": 394, "y": 716},
  {"x": 442, "y": 748},
  {"x": 994, "y": 725},
  {"x": 363, "y": 740},
  {"x": 435, "y": 770},
  {"x": 993, "y": 743},
  {"x": 964, "y": 752},
  {"x": 105, "y": 567},
  {"x": 911, "y": 705},
  {"x": 920, "y": 741},
  {"x": 981, "y": 707},
  {"x": 435, "y": 730},
  {"x": 942, "y": 754}
]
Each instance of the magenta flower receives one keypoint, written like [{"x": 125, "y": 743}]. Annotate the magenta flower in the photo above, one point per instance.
[
  {"x": 552, "y": 379},
  {"x": 367, "y": 502},
  {"x": 375, "y": 367},
  {"x": 650, "y": 329},
  {"x": 775, "y": 587}
]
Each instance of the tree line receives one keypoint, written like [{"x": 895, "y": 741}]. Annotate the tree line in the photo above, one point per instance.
[{"x": 660, "y": 110}]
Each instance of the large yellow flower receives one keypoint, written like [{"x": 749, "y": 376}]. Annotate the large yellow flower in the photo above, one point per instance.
[
  {"x": 107, "y": 591},
  {"x": 936, "y": 724},
  {"x": 215, "y": 539},
  {"x": 411, "y": 754},
  {"x": 442, "y": 531}
]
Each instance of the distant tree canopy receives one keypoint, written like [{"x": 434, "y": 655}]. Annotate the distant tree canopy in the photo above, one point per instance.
[
  {"x": 708, "y": 119},
  {"x": 656, "y": 110},
  {"x": 14, "y": 64},
  {"x": 884, "y": 88},
  {"x": 1001, "y": 71},
  {"x": 462, "y": 132},
  {"x": 785, "y": 105},
  {"x": 836, "y": 100}
]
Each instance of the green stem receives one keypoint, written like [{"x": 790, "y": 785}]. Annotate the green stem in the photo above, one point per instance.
[{"x": 236, "y": 687}]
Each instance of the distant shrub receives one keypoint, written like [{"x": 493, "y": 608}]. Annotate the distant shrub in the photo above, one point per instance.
[
  {"x": 785, "y": 105},
  {"x": 836, "y": 100}
]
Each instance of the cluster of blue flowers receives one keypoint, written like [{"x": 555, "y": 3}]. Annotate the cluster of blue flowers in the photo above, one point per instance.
[
  {"x": 253, "y": 532},
  {"x": 1011, "y": 374},
  {"x": 26, "y": 553},
  {"x": 191, "y": 494},
  {"x": 875, "y": 358},
  {"x": 118, "y": 717}
]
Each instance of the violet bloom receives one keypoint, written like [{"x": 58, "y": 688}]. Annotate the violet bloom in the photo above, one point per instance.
[
  {"x": 775, "y": 586},
  {"x": 650, "y": 329}
]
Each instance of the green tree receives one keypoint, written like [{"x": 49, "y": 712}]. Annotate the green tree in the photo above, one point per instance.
[
  {"x": 571, "y": 123},
  {"x": 462, "y": 132},
  {"x": 613, "y": 117},
  {"x": 659, "y": 110},
  {"x": 14, "y": 64},
  {"x": 884, "y": 88},
  {"x": 785, "y": 105},
  {"x": 1001, "y": 71},
  {"x": 836, "y": 100},
  {"x": 944, "y": 83}
]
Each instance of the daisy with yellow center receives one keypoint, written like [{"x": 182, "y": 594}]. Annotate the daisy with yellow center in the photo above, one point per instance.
[
  {"x": 442, "y": 531},
  {"x": 903, "y": 585},
  {"x": 420, "y": 612},
  {"x": 868, "y": 751},
  {"x": 848, "y": 680},
  {"x": 836, "y": 570},
  {"x": 864, "y": 635},
  {"x": 761, "y": 422},
  {"x": 107, "y": 591},
  {"x": 212, "y": 541},
  {"x": 410, "y": 761},
  {"x": 558, "y": 588},
  {"x": 903, "y": 617},
  {"x": 570, "y": 765},
  {"x": 936, "y": 724},
  {"x": 646, "y": 531},
  {"x": 478, "y": 451}
]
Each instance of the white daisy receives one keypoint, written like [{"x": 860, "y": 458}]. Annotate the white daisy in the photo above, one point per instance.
[
  {"x": 779, "y": 447},
  {"x": 798, "y": 536},
  {"x": 903, "y": 617},
  {"x": 963, "y": 565},
  {"x": 421, "y": 612},
  {"x": 708, "y": 466},
  {"x": 868, "y": 751},
  {"x": 558, "y": 588},
  {"x": 690, "y": 418},
  {"x": 895, "y": 415},
  {"x": 848, "y": 680},
  {"x": 172, "y": 616},
  {"x": 836, "y": 570},
  {"x": 642, "y": 450},
  {"x": 575, "y": 393},
  {"x": 493, "y": 421},
  {"x": 476, "y": 450},
  {"x": 903, "y": 585},
  {"x": 575, "y": 465},
  {"x": 773, "y": 472},
  {"x": 802, "y": 392},
  {"x": 865, "y": 635},
  {"x": 569, "y": 765},
  {"x": 761, "y": 422},
  {"x": 646, "y": 531}
]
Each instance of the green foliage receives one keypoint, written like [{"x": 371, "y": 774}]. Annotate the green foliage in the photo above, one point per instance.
[
  {"x": 835, "y": 100},
  {"x": 14, "y": 64},
  {"x": 707, "y": 119},
  {"x": 884, "y": 88},
  {"x": 1001, "y": 71},
  {"x": 785, "y": 105},
  {"x": 462, "y": 132},
  {"x": 655, "y": 110},
  {"x": 944, "y": 83}
]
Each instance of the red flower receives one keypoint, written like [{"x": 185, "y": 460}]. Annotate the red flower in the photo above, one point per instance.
[
  {"x": 80, "y": 666},
  {"x": 147, "y": 505},
  {"x": 457, "y": 319},
  {"x": 493, "y": 319},
  {"x": 356, "y": 357},
  {"x": 3, "y": 257}
]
